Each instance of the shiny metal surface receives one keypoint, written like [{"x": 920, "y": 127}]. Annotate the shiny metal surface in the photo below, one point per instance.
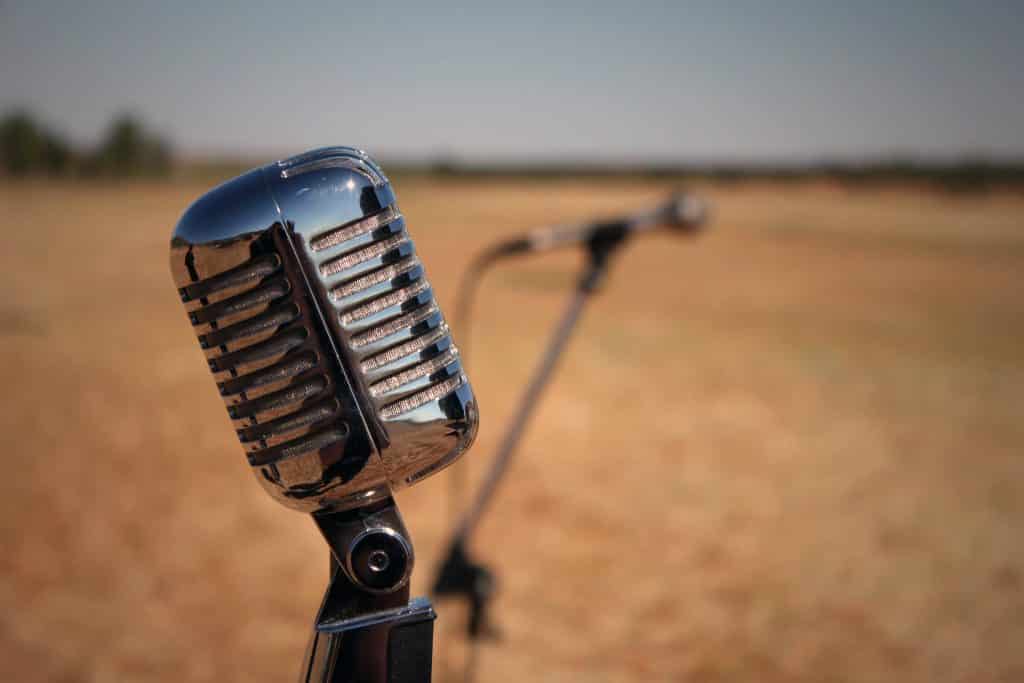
[
  {"x": 385, "y": 565},
  {"x": 322, "y": 332}
]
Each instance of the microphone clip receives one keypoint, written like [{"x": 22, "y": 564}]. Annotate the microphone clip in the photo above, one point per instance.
[
  {"x": 603, "y": 241},
  {"x": 462, "y": 576}
]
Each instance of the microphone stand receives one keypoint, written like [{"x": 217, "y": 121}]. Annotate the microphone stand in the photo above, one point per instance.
[
  {"x": 459, "y": 574},
  {"x": 367, "y": 629}
]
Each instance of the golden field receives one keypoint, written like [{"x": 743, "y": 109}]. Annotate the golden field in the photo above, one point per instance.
[{"x": 790, "y": 450}]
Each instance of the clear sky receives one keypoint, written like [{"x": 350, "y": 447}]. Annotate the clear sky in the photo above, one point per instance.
[{"x": 527, "y": 80}]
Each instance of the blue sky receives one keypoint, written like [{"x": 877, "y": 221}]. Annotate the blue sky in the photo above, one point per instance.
[{"x": 600, "y": 81}]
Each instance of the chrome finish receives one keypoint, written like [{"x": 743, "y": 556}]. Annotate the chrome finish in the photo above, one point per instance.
[
  {"x": 322, "y": 332},
  {"x": 415, "y": 606},
  {"x": 371, "y": 573},
  {"x": 391, "y": 645},
  {"x": 356, "y": 536}
]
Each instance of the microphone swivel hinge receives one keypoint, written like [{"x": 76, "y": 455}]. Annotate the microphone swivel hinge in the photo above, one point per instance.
[{"x": 367, "y": 629}]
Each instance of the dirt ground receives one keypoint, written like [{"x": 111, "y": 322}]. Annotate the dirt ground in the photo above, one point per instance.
[{"x": 790, "y": 450}]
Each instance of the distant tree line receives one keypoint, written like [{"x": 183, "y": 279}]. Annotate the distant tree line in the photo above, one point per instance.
[
  {"x": 967, "y": 176},
  {"x": 128, "y": 148},
  {"x": 28, "y": 147}
]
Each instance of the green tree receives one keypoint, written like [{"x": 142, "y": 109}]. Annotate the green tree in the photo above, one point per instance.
[
  {"x": 129, "y": 150},
  {"x": 26, "y": 147}
]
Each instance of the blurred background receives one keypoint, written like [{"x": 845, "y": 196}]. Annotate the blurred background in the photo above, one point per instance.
[{"x": 787, "y": 451}]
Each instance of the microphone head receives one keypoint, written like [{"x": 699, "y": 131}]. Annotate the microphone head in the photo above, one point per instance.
[
  {"x": 685, "y": 212},
  {"x": 322, "y": 331}
]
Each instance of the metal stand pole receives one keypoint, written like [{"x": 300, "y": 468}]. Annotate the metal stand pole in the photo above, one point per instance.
[
  {"x": 458, "y": 573},
  {"x": 527, "y": 404}
]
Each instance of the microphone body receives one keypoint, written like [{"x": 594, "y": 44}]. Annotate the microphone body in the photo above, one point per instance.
[
  {"x": 681, "y": 213},
  {"x": 321, "y": 329}
]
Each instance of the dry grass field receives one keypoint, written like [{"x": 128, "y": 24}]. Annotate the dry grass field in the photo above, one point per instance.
[{"x": 790, "y": 450}]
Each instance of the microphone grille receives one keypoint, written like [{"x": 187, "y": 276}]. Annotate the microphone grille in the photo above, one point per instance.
[{"x": 267, "y": 361}]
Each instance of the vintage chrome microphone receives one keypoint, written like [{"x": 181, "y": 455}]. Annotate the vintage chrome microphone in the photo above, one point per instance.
[{"x": 340, "y": 377}]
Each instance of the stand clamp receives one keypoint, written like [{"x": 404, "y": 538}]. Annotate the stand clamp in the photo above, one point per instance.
[{"x": 367, "y": 629}]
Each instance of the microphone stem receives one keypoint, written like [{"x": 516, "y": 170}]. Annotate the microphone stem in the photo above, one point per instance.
[{"x": 528, "y": 402}]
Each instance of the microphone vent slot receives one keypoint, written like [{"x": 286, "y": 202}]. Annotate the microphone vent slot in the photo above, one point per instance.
[
  {"x": 374, "y": 278},
  {"x": 434, "y": 393},
  {"x": 394, "y": 326},
  {"x": 354, "y": 258},
  {"x": 352, "y": 230},
  {"x": 394, "y": 298},
  {"x": 417, "y": 371},
  {"x": 261, "y": 344},
  {"x": 406, "y": 349}
]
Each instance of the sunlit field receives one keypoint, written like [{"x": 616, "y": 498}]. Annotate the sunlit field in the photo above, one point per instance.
[{"x": 789, "y": 450}]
